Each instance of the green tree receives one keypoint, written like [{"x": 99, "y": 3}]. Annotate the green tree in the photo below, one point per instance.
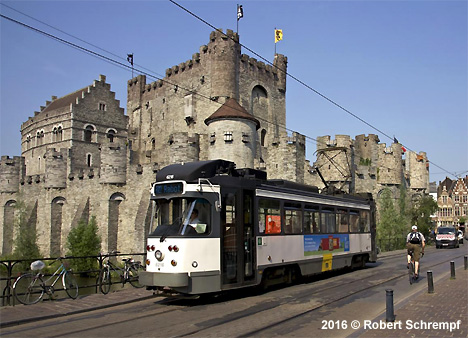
[
  {"x": 404, "y": 220},
  {"x": 25, "y": 244},
  {"x": 421, "y": 213},
  {"x": 390, "y": 227},
  {"x": 83, "y": 240}
]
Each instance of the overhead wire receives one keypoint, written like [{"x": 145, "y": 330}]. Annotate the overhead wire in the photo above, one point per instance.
[
  {"x": 127, "y": 67},
  {"x": 302, "y": 83}
]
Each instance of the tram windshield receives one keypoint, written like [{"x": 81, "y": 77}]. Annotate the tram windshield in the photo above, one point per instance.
[{"x": 181, "y": 217}]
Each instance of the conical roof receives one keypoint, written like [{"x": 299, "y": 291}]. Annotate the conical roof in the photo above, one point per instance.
[{"x": 231, "y": 109}]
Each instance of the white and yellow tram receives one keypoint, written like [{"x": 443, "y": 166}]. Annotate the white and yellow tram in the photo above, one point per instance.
[{"x": 217, "y": 228}]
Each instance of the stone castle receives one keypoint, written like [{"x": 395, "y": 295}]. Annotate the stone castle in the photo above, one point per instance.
[{"x": 82, "y": 156}]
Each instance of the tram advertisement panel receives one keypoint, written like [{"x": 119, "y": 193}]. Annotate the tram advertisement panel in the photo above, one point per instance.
[{"x": 321, "y": 244}]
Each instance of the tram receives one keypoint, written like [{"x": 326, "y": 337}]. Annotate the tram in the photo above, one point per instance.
[{"x": 216, "y": 228}]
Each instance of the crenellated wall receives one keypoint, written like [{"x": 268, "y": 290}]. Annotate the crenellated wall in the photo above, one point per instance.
[{"x": 82, "y": 156}]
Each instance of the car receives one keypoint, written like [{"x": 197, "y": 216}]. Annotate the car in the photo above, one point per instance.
[{"x": 447, "y": 237}]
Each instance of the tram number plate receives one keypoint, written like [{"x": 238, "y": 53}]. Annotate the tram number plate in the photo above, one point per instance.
[{"x": 160, "y": 265}]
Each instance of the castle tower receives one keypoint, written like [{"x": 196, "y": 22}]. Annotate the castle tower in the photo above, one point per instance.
[
  {"x": 417, "y": 171},
  {"x": 334, "y": 160},
  {"x": 113, "y": 163},
  {"x": 224, "y": 51},
  {"x": 183, "y": 147},
  {"x": 287, "y": 161},
  {"x": 56, "y": 168},
  {"x": 390, "y": 165},
  {"x": 12, "y": 172},
  {"x": 233, "y": 134}
]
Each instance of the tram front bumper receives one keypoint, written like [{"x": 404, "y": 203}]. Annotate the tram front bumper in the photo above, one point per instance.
[{"x": 148, "y": 278}]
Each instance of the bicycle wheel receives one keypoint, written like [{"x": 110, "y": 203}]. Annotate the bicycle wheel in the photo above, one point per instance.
[
  {"x": 28, "y": 289},
  {"x": 105, "y": 280},
  {"x": 133, "y": 274},
  {"x": 411, "y": 272},
  {"x": 70, "y": 285}
]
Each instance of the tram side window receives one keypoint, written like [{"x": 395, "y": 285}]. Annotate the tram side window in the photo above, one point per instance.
[
  {"x": 342, "y": 220},
  {"x": 311, "y": 222},
  {"x": 269, "y": 216},
  {"x": 364, "y": 225},
  {"x": 292, "y": 219},
  {"x": 353, "y": 221},
  {"x": 327, "y": 221}
]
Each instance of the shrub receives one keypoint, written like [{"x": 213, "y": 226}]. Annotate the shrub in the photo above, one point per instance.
[
  {"x": 83, "y": 240},
  {"x": 25, "y": 245}
]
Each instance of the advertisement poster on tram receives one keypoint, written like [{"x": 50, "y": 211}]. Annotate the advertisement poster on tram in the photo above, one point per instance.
[{"x": 320, "y": 244}]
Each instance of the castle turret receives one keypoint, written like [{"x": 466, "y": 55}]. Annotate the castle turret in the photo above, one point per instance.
[
  {"x": 334, "y": 160},
  {"x": 417, "y": 170},
  {"x": 390, "y": 165},
  {"x": 12, "y": 171},
  {"x": 113, "y": 163},
  {"x": 183, "y": 147},
  {"x": 224, "y": 51},
  {"x": 233, "y": 134},
  {"x": 56, "y": 168}
]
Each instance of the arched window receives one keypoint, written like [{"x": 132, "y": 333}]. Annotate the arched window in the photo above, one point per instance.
[
  {"x": 56, "y": 226},
  {"x": 8, "y": 221},
  {"x": 54, "y": 134},
  {"x": 88, "y": 133},
  {"x": 59, "y": 133},
  {"x": 111, "y": 135},
  {"x": 113, "y": 220},
  {"x": 262, "y": 137}
]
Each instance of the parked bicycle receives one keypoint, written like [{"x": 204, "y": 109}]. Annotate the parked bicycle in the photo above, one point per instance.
[
  {"x": 30, "y": 287},
  {"x": 129, "y": 273}
]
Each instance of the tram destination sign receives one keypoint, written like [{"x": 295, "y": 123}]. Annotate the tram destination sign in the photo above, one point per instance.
[{"x": 168, "y": 188}]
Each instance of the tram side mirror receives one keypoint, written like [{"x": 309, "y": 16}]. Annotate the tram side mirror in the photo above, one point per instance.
[{"x": 218, "y": 205}]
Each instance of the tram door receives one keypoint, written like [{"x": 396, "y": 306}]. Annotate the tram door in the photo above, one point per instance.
[{"x": 237, "y": 232}]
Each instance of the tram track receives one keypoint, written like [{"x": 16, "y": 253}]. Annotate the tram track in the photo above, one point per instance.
[
  {"x": 299, "y": 314},
  {"x": 274, "y": 310}
]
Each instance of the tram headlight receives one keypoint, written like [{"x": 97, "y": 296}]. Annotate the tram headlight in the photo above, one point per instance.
[{"x": 159, "y": 255}]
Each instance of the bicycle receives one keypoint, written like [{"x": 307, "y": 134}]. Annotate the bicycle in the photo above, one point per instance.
[
  {"x": 411, "y": 267},
  {"x": 30, "y": 287},
  {"x": 129, "y": 273}
]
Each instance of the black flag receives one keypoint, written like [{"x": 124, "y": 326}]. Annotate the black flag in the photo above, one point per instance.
[
  {"x": 130, "y": 58},
  {"x": 240, "y": 12}
]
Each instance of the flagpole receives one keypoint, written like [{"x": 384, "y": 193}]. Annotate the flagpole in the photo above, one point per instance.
[
  {"x": 275, "y": 42},
  {"x": 237, "y": 28}
]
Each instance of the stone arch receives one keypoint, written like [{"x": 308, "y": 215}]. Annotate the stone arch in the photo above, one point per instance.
[
  {"x": 111, "y": 134},
  {"x": 262, "y": 137},
  {"x": 56, "y": 214},
  {"x": 259, "y": 101},
  {"x": 113, "y": 220},
  {"x": 8, "y": 226},
  {"x": 88, "y": 133}
]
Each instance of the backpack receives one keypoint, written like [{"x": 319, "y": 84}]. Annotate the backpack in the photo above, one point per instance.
[{"x": 415, "y": 238}]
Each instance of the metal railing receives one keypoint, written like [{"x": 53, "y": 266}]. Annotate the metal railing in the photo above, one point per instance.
[{"x": 10, "y": 270}]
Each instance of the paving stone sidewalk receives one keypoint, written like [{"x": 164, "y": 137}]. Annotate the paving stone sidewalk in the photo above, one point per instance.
[
  {"x": 18, "y": 314},
  {"x": 431, "y": 315}
]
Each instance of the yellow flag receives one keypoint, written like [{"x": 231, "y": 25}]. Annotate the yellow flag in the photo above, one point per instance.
[{"x": 278, "y": 35}]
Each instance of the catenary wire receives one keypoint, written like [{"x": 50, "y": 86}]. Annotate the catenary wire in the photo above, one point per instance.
[
  {"x": 127, "y": 67},
  {"x": 303, "y": 83}
]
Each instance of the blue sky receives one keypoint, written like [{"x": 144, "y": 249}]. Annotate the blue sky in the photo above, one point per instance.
[{"x": 401, "y": 66}]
